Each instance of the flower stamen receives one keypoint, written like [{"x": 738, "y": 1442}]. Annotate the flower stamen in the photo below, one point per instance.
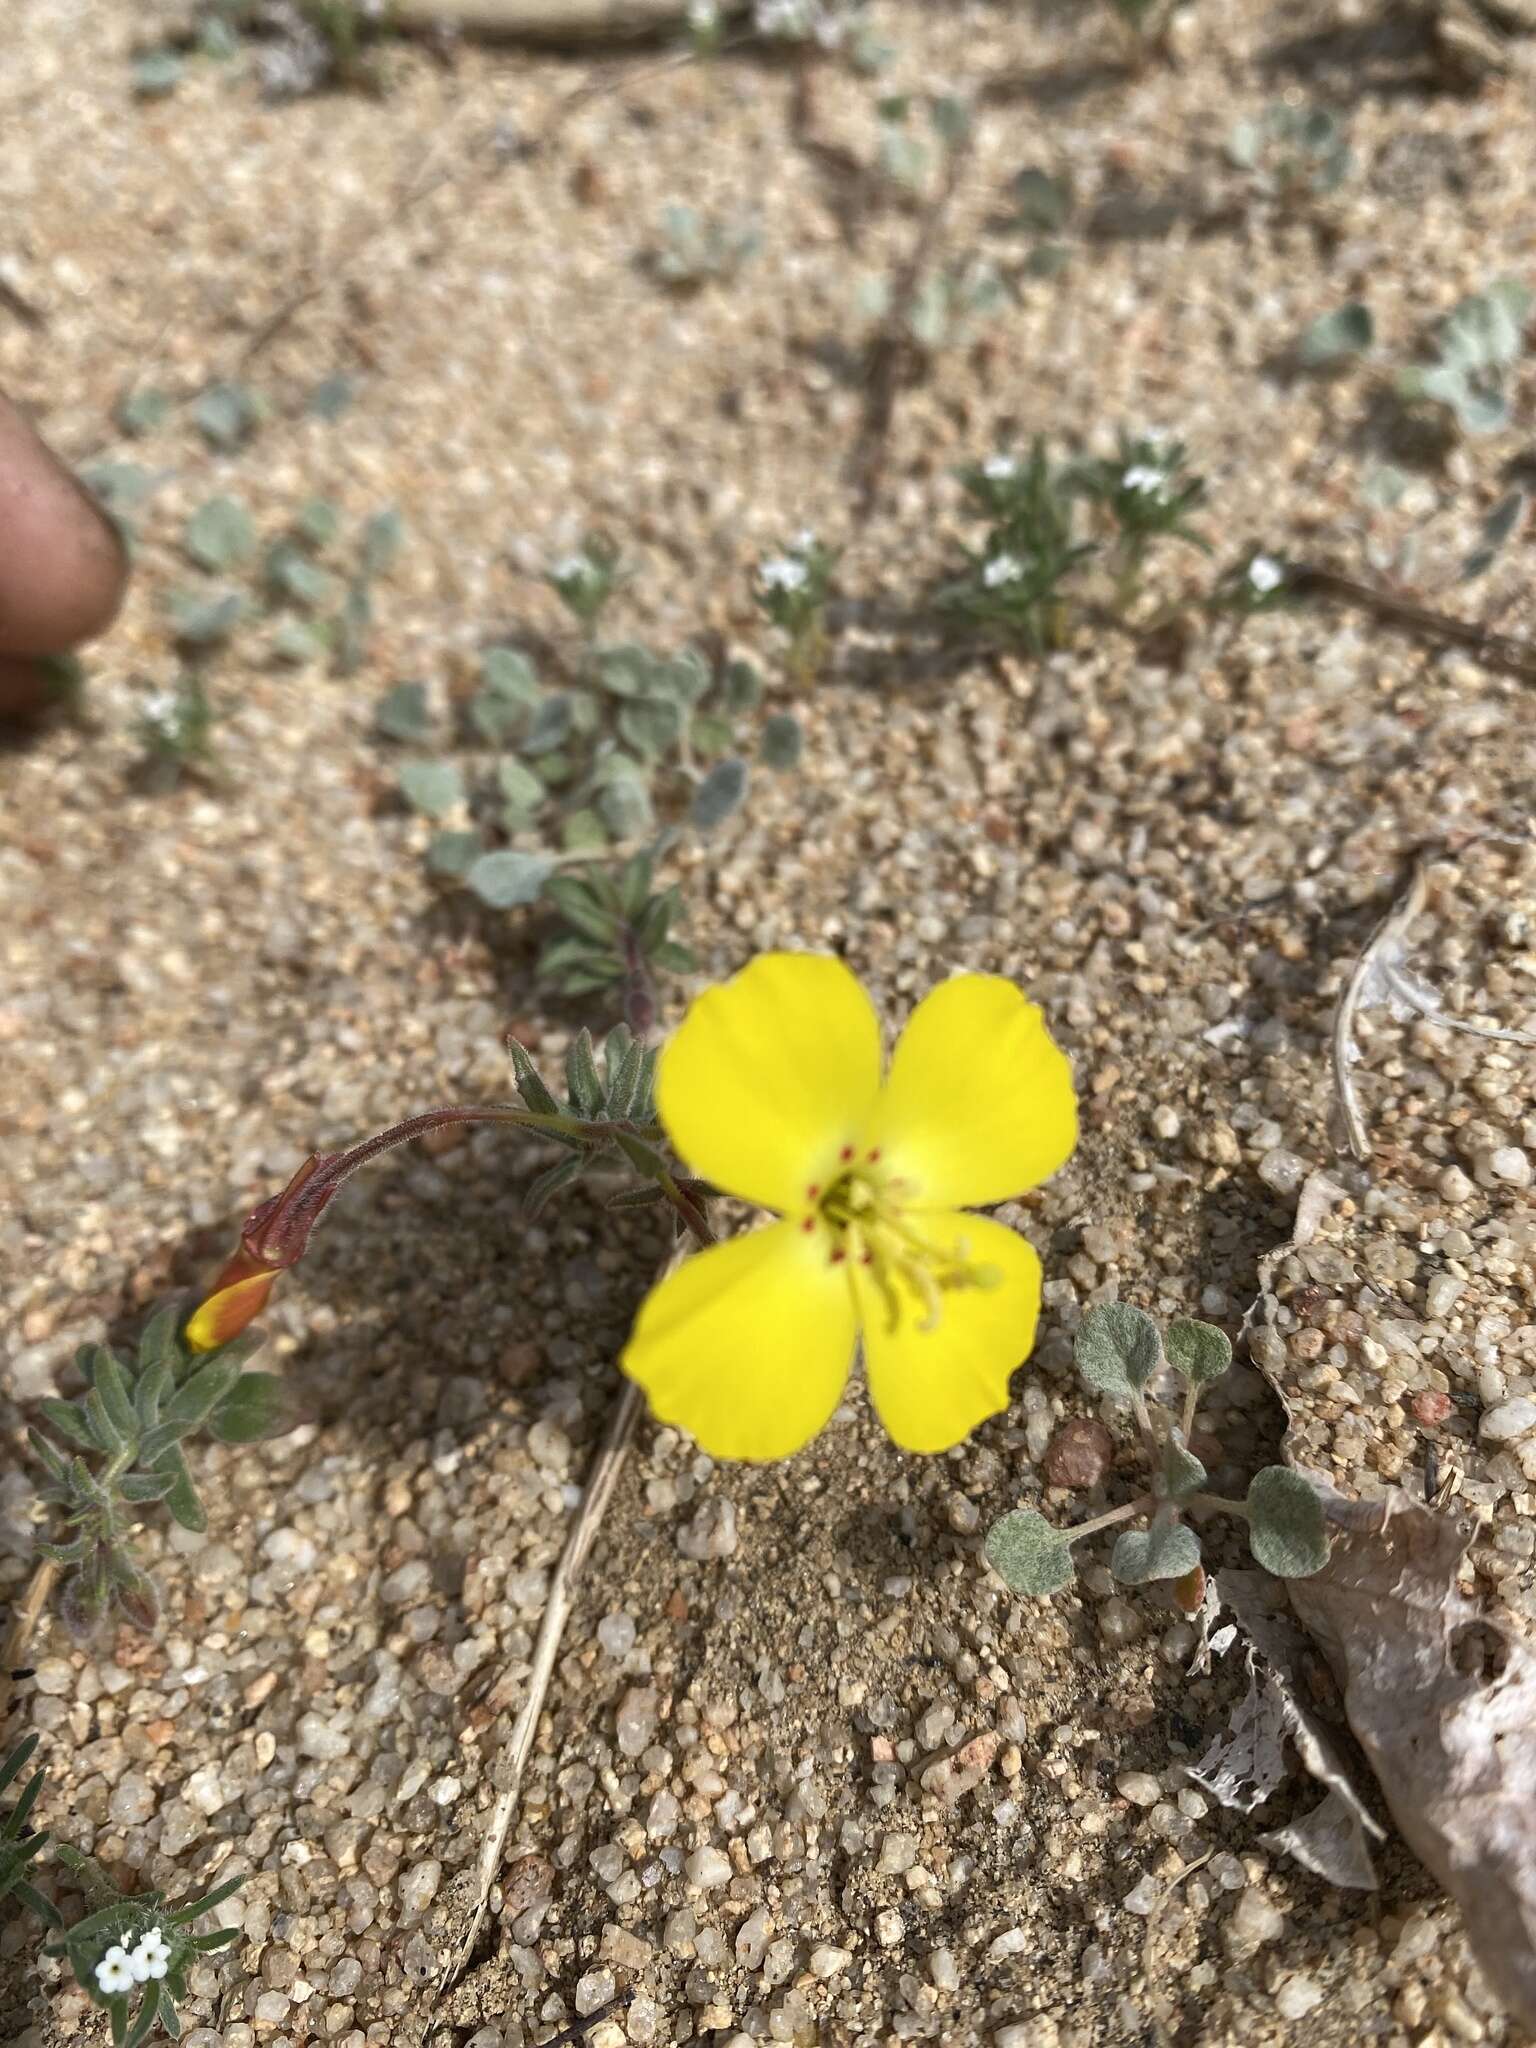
[{"x": 869, "y": 1217}]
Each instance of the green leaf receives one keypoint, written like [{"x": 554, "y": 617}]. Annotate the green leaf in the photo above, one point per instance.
[
  {"x": 352, "y": 626},
  {"x": 255, "y": 1408},
  {"x": 330, "y": 397},
  {"x": 1042, "y": 205},
  {"x": 1117, "y": 1349},
  {"x": 581, "y": 1076},
  {"x": 299, "y": 641},
  {"x": 684, "y": 678},
  {"x": 741, "y": 687},
  {"x": 402, "y": 713},
  {"x": 453, "y": 853},
  {"x": 504, "y": 879},
  {"x": 1182, "y": 1474},
  {"x": 623, "y": 1058},
  {"x": 383, "y": 537},
  {"x": 1198, "y": 1352},
  {"x": 709, "y": 735},
  {"x": 70, "y": 1423},
  {"x": 197, "y": 1397},
  {"x": 782, "y": 742},
  {"x": 1028, "y": 1555},
  {"x": 530, "y": 1082},
  {"x": 551, "y": 725},
  {"x": 1333, "y": 337},
  {"x": 508, "y": 691},
  {"x": 432, "y": 787},
  {"x": 632, "y": 889},
  {"x": 626, "y": 670},
  {"x": 550, "y": 1182},
  {"x": 521, "y": 790},
  {"x": 595, "y": 965},
  {"x": 583, "y": 831},
  {"x": 182, "y": 1500},
  {"x": 47, "y": 1456},
  {"x": 145, "y": 1486},
  {"x": 624, "y": 803},
  {"x": 199, "y": 621},
  {"x": 140, "y": 412},
  {"x": 291, "y": 574},
  {"x": 318, "y": 522},
  {"x": 226, "y": 414},
  {"x": 106, "y": 1376},
  {"x": 1505, "y": 520},
  {"x": 651, "y": 725},
  {"x": 183, "y": 1916},
  {"x": 674, "y": 958},
  {"x": 581, "y": 909},
  {"x": 1287, "y": 1531},
  {"x": 156, "y": 74},
  {"x": 220, "y": 534},
  {"x": 159, "y": 1338},
  {"x": 1165, "y": 1551},
  {"x": 720, "y": 793}
]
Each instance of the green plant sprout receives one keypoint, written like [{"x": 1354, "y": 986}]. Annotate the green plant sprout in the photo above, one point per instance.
[
  {"x": 1012, "y": 584},
  {"x": 694, "y": 249},
  {"x": 18, "y": 1844},
  {"x": 1292, "y": 154},
  {"x": 175, "y": 730},
  {"x": 586, "y": 579},
  {"x": 791, "y": 590},
  {"x": 1147, "y": 494},
  {"x": 127, "y": 1940},
  {"x": 617, "y": 934},
  {"x": 1477, "y": 346},
  {"x": 1123, "y": 1357},
  {"x": 135, "y": 1944},
  {"x": 124, "y": 1438}
]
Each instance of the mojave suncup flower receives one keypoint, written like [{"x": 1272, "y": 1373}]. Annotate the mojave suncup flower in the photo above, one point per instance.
[{"x": 772, "y": 1090}]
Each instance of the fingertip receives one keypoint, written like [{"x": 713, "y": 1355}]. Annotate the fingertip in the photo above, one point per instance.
[{"x": 63, "y": 566}]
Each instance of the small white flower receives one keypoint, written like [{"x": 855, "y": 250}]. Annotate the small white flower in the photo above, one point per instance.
[
  {"x": 805, "y": 542},
  {"x": 571, "y": 569},
  {"x": 782, "y": 572},
  {"x": 1142, "y": 477},
  {"x": 1002, "y": 569},
  {"x": 998, "y": 468},
  {"x": 1265, "y": 574},
  {"x": 114, "y": 1972},
  {"x": 703, "y": 16},
  {"x": 151, "y": 1957},
  {"x": 161, "y": 708}
]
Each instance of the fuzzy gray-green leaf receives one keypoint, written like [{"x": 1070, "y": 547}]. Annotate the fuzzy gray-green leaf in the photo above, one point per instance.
[
  {"x": 1165, "y": 1551},
  {"x": 1117, "y": 1349},
  {"x": 720, "y": 793},
  {"x": 1334, "y": 337},
  {"x": 220, "y": 534},
  {"x": 1028, "y": 1555},
  {"x": 1197, "y": 1351},
  {"x": 782, "y": 742},
  {"x": 1182, "y": 1474},
  {"x": 505, "y": 879},
  {"x": 431, "y": 787},
  {"x": 1286, "y": 1528}
]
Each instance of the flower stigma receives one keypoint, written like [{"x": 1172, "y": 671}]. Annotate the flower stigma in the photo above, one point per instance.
[{"x": 870, "y": 1216}]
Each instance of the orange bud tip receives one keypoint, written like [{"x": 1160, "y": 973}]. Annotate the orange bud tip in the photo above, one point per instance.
[{"x": 229, "y": 1311}]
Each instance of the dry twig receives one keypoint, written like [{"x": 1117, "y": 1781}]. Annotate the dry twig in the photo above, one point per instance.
[
  {"x": 1497, "y": 650},
  {"x": 19, "y": 1635},
  {"x": 1382, "y": 942}
]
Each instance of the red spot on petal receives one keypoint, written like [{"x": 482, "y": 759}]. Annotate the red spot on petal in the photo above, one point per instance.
[
  {"x": 874, "y": 1155},
  {"x": 838, "y": 1256},
  {"x": 846, "y": 1153},
  {"x": 868, "y": 1259},
  {"x": 809, "y": 1223},
  {"x": 813, "y": 1193}
]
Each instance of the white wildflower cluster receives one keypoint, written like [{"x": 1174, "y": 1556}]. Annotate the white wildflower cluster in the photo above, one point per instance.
[
  {"x": 1143, "y": 477},
  {"x": 1265, "y": 574},
  {"x": 998, "y": 468},
  {"x": 1000, "y": 570},
  {"x": 162, "y": 710},
  {"x": 783, "y": 572},
  {"x": 120, "y": 1968},
  {"x": 703, "y": 16},
  {"x": 572, "y": 569},
  {"x": 799, "y": 21}
]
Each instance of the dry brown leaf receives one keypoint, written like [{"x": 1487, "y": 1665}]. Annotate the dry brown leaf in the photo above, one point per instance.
[
  {"x": 1443, "y": 1702},
  {"x": 1244, "y": 1767}
]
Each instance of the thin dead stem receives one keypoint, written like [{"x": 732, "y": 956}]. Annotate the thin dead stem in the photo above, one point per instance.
[
  {"x": 1497, "y": 650},
  {"x": 24, "y": 1621},
  {"x": 1387, "y": 935}
]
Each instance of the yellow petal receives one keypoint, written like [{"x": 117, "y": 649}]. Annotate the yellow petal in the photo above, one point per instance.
[
  {"x": 747, "y": 1345},
  {"x": 770, "y": 1075},
  {"x": 932, "y": 1387},
  {"x": 978, "y": 1104}
]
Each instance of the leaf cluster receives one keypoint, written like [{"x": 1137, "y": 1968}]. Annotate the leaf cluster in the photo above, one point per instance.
[
  {"x": 1292, "y": 153},
  {"x": 1476, "y": 348},
  {"x": 122, "y": 1923},
  {"x": 1122, "y": 1356},
  {"x": 117, "y": 1449}
]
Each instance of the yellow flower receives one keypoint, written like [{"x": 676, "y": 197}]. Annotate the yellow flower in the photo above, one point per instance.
[{"x": 772, "y": 1090}]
